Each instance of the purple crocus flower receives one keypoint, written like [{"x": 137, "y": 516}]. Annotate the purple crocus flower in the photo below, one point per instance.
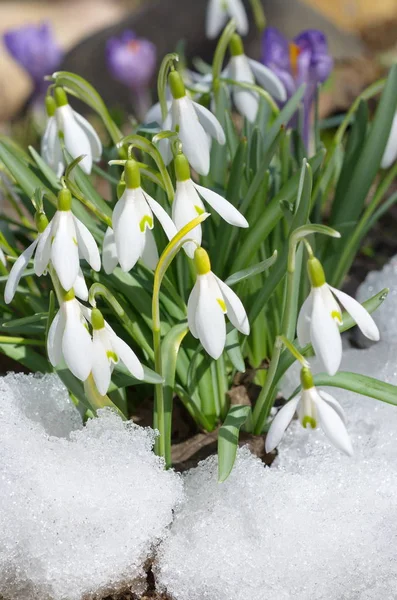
[
  {"x": 132, "y": 61},
  {"x": 305, "y": 59},
  {"x": 36, "y": 50}
]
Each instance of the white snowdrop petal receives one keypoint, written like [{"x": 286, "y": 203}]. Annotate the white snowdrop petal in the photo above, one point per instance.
[
  {"x": 87, "y": 245},
  {"x": 223, "y": 207},
  {"x": 64, "y": 250},
  {"x": 187, "y": 206},
  {"x": 280, "y": 423},
  {"x": 235, "y": 309},
  {"x": 304, "y": 319},
  {"x": 101, "y": 370},
  {"x": 54, "y": 339},
  {"x": 165, "y": 220},
  {"x": 268, "y": 80},
  {"x": 150, "y": 255},
  {"x": 75, "y": 138},
  {"x": 80, "y": 286},
  {"x": 17, "y": 270},
  {"x": 192, "y": 310},
  {"x": 193, "y": 137},
  {"x": 210, "y": 123},
  {"x": 164, "y": 145},
  {"x": 51, "y": 150},
  {"x": 93, "y": 138},
  {"x": 246, "y": 101},
  {"x": 324, "y": 334},
  {"x": 210, "y": 320},
  {"x": 333, "y": 427},
  {"x": 128, "y": 357},
  {"x": 128, "y": 236},
  {"x": 43, "y": 252},
  {"x": 390, "y": 153},
  {"x": 237, "y": 11},
  {"x": 76, "y": 342},
  {"x": 359, "y": 314},
  {"x": 334, "y": 404},
  {"x": 215, "y": 19},
  {"x": 109, "y": 252}
]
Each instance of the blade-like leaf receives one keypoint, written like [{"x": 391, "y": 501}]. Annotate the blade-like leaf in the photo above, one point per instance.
[{"x": 228, "y": 439}]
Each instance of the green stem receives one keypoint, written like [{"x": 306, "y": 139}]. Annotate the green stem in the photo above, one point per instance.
[
  {"x": 220, "y": 55},
  {"x": 4, "y": 339}
]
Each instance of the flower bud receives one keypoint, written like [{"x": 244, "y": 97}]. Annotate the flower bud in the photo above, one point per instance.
[
  {"x": 236, "y": 45},
  {"x": 176, "y": 84},
  {"x": 132, "y": 176},
  {"x": 316, "y": 272},
  {"x": 97, "y": 319},
  {"x": 60, "y": 96},
  {"x": 41, "y": 221},
  {"x": 64, "y": 200},
  {"x": 182, "y": 168},
  {"x": 202, "y": 261}
]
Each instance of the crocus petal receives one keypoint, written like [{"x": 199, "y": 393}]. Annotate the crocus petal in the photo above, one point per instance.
[
  {"x": 235, "y": 309},
  {"x": 187, "y": 206},
  {"x": 128, "y": 236},
  {"x": 64, "y": 250},
  {"x": 268, "y": 80},
  {"x": 109, "y": 252},
  {"x": 333, "y": 427},
  {"x": 80, "y": 286},
  {"x": 128, "y": 357},
  {"x": 54, "y": 339},
  {"x": 76, "y": 342},
  {"x": 216, "y": 18},
  {"x": 87, "y": 245},
  {"x": 225, "y": 209},
  {"x": 210, "y": 320},
  {"x": 165, "y": 220},
  {"x": 361, "y": 316},
  {"x": 237, "y": 11},
  {"x": 101, "y": 370},
  {"x": 193, "y": 137},
  {"x": 280, "y": 423},
  {"x": 334, "y": 404},
  {"x": 16, "y": 272},
  {"x": 150, "y": 255},
  {"x": 324, "y": 334},
  {"x": 246, "y": 101},
  {"x": 304, "y": 319},
  {"x": 43, "y": 252},
  {"x": 192, "y": 309},
  {"x": 210, "y": 123},
  {"x": 93, "y": 138},
  {"x": 51, "y": 150},
  {"x": 390, "y": 153},
  {"x": 75, "y": 138}
]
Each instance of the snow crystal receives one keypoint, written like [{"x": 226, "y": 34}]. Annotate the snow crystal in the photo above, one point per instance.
[
  {"x": 386, "y": 315},
  {"x": 79, "y": 514},
  {"x": 316, "y": 525}
]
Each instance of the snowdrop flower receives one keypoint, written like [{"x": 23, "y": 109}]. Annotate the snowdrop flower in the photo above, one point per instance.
[
  {"x": 390, "y": 153},
  {"x": 188, "y": 204},
  {"x": 77, "y": 133},
  {"x": 220, "y": 11},
  {"x": 246, "y": 70},
  {"x": 63, "y": 242},
  {"x": 313, "y": 407},
  {"x": 209, "y": 300},
  {"x": 108, "y": 350},
  {"x": 194, "y": 124},
  {"x": 69, "y": 339},
  {"x": 132, "y": 238},
  {"x": 320, "y": 317}
]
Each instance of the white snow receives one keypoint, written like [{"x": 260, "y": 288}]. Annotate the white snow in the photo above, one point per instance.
[
  {"x": 317, "y": 525},
  {"x": 78, "y": 514}
]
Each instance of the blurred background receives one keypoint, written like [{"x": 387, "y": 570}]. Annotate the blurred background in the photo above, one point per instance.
[{"x": 362, "y": 36}]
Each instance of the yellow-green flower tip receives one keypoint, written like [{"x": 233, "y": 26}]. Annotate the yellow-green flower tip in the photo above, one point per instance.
[
  {"x": 50, "y": 106},
  {"x": 176, "y": 84},
  {"x": 132, "y": 176},
  {"x": 41, "y": 221},
  {"x": 61, "y": 98},
  {"x": 202, "y": 261},
  {"x": 69, "y": 295},
  {"x": 236, "y": 46},
  {"x": 316, "y": 272},
  {"x": 182, "y": 168},
  {"x": 309, "y": 422},
  {"x": 64, "y": 200},
  {"x": 306, "y": 378},
  {"x": 97, "y": 320}
]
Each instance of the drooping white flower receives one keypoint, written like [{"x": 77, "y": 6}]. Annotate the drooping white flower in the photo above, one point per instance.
[
  {"x": 133, "y": 220},
  {"x": 245, "y": 70},
  {"x": 79, "y": 137},
  {"x": 320, "y": 317},
  {"x": 209, "y": 301},
  {"x": 64, "y": 241},
  {"x": 108, "y": 350},
  {"x": 69, "y": 338},
  {"x": 313, "y": 407},
  {"x": 220, "y": 11},
  {"x": 188, "y": 205},
  {"x": 195, "y": 125},
  {"x": 390, "y": 153}
]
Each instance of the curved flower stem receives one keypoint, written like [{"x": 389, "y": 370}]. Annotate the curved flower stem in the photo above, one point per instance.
[
  {"x": 254, "y": 88},
  {"x": 163, "y": 441},
  {"x": 220, "y": 55},
  {"x": 166, "y": 65}
]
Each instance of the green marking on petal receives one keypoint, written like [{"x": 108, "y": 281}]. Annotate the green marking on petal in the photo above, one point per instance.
[
  {"x": 75, "y": 241},
  {"x": 222, "y": 304},
  {"x": 146, "y": 219},
  {"x": 199, "y": 210},
  {"x": 337, "y": 316},
  {"x": 309, "y": 422},
  {"x": 112, "y": 356}
]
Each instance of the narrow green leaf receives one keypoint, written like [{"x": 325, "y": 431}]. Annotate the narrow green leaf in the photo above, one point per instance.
[
  {"x": 233, "y": 350},
  {"x": 27, "y": 357},
  {"x": 228, "y": 439},
  {"x": 122, "y": 378},
  {"x": 251, "y": 271},
  {"x": 360, "y": 384}
]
